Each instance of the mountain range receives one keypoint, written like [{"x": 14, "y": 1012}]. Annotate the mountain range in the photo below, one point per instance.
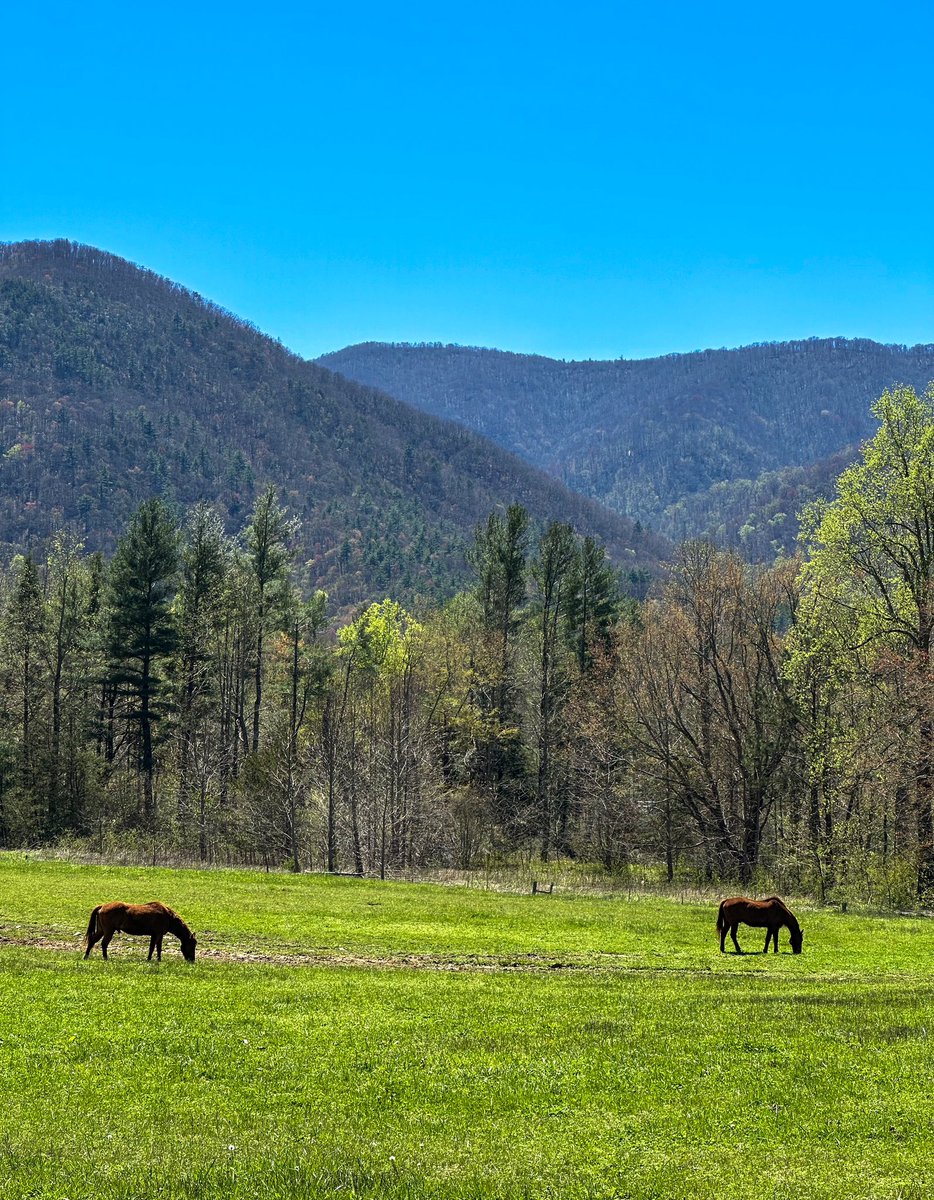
[
  {"x": 116, "y": 385},
  {"x": 721, "y": 443}
]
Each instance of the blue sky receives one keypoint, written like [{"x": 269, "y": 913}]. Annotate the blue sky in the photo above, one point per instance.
[{"x": 581, "y": 180}]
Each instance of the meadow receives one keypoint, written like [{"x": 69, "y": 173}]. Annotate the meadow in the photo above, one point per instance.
[{"x": 345, "y": 1037}]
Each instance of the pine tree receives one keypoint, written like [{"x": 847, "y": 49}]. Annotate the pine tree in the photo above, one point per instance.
[
  {"x": 267, "y": 540},
  {"x": 67, "y": 614},
  {"x": 551, "y": 571},
  {"x": 26, "y": 621},
  {"x": 142, "y": 634},
  {"x": 499, "y": 559},
  {"x": 205, "y": 559},
  {"x": 591, "y": 601}
]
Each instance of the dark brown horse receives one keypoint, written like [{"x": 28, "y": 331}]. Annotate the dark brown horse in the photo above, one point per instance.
[
  {"x": 153, "y": 920},
  {"x": 769, "y": 914}
]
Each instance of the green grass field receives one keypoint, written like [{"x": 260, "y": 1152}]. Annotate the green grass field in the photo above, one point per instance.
[{"x": 341, "y": 1037}]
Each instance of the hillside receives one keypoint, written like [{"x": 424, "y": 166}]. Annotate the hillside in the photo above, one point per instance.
[
  {"x": 657, "y": 439},
  {"x": 757, "y": 517},
  {"x": 116, "y": 384}
]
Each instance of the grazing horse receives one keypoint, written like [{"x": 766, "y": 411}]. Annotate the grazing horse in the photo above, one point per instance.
[
  {"x": 153, "y": 919},
  {"x": 770, "y": 914}
]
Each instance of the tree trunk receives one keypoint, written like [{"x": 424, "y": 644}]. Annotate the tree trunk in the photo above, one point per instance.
[
  {"x": 145, "y": 724},
  {"x": 258, "y": 682},
  {"x": 924, "y": 785}
]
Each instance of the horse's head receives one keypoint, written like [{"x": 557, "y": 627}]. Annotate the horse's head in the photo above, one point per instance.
[
  {"x": 797, "y": 940},
  {"x": 188, "y": 947}
]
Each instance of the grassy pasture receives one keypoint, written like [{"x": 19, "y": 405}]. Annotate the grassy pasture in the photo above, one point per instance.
[{"x": 339, "y": 1037}]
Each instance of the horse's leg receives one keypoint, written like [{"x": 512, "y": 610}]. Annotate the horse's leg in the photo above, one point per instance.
[
  {"x": 106, "y": 942},
  {"x": 768, "y": 938},
  {"x": 733, "y": 929},
  {"x": 152, "y": 946},
  {"x": 159, "y": 937},
  {"x": 774, "y": 941},
  {"x": 723, "y": 939},
  {"x": 92, "y": 942}
]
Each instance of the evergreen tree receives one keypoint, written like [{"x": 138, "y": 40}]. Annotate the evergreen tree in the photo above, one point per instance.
[
  {"x": 26, "y": 628},
  {"x": 499, "y": 558},
  {"x": 550, "y": 571},
  {"x": 591, "y": 601},
  {"x": 204, "y": 561},
  {"x": 142, "y": 633},
  {"x": 67, "y": 621},
  {"x": 267, "y": 540}
]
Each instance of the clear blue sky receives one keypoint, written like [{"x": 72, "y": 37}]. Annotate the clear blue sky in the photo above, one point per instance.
[{"x": 583, "y": 180}]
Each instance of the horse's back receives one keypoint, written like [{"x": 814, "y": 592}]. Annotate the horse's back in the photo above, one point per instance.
[
  {"x": 145, "y": 918},
  {"x": 112, "y": 909},
  {"x": 754, "y": 912},
  {"x": 741, "y": 910}
]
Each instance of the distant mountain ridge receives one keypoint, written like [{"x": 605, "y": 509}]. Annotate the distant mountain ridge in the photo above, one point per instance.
[
  {"x": 116, "y": 384},
  {"x": 658, "y": 439}
]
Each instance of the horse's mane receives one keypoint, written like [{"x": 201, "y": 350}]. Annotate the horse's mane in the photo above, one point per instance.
[
  {"x": 176, "y": 925},
  {"x": 789, "y": 915}
]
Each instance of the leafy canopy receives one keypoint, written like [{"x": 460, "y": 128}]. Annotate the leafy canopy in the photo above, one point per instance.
[{"x": 871, "y": 568}]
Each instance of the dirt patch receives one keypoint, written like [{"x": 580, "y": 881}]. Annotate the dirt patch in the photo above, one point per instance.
[
  {"x": 423, "y": 962},
  {"x": 599, "y": 964},
  {"x": 37, "y": 942},
  {"x": 32, "y": 940}
]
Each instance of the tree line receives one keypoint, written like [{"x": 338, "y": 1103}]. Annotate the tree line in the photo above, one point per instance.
[{"x": 742, "y": 723}]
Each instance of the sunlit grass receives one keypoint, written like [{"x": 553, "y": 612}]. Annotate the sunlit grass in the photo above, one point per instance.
[{"x": 654, "y": 1066}]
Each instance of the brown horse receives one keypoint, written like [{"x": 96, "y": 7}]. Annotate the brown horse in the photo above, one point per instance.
[
  {"x": 770, "y": 914},
  {"x": 153, "y": 920}
]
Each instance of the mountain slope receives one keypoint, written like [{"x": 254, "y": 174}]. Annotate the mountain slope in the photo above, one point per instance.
[
  {"x": 642, "y": 436},
  {"x": 757, "y": 517},
  {"x": 116, "y": 384}
]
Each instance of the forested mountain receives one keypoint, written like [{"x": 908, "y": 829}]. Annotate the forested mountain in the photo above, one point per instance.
[
  {"x": 757, "y": 517},
  {"x": 117, "y": 385},
  {"x": 665, "y": 440},
  {"x": 741, "y": 723}
]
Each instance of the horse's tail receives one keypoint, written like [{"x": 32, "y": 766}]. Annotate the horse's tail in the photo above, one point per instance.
[
  {"x": 721, "y": 924},
  {"x": 92, "y": 925}
]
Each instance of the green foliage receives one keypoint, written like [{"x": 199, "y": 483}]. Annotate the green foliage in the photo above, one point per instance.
[
  {"x": 498, "y": 557},
  {"x": 872, "y": 547},
  {"x": 267, "y": 539},
  {"x": 141, "y": 632},
  {"x": 142, "y": 583},
  {"x": 381, "y": 640},
  {"x": 592, "y": 603},
  {"x": 867, "y": 613}
]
